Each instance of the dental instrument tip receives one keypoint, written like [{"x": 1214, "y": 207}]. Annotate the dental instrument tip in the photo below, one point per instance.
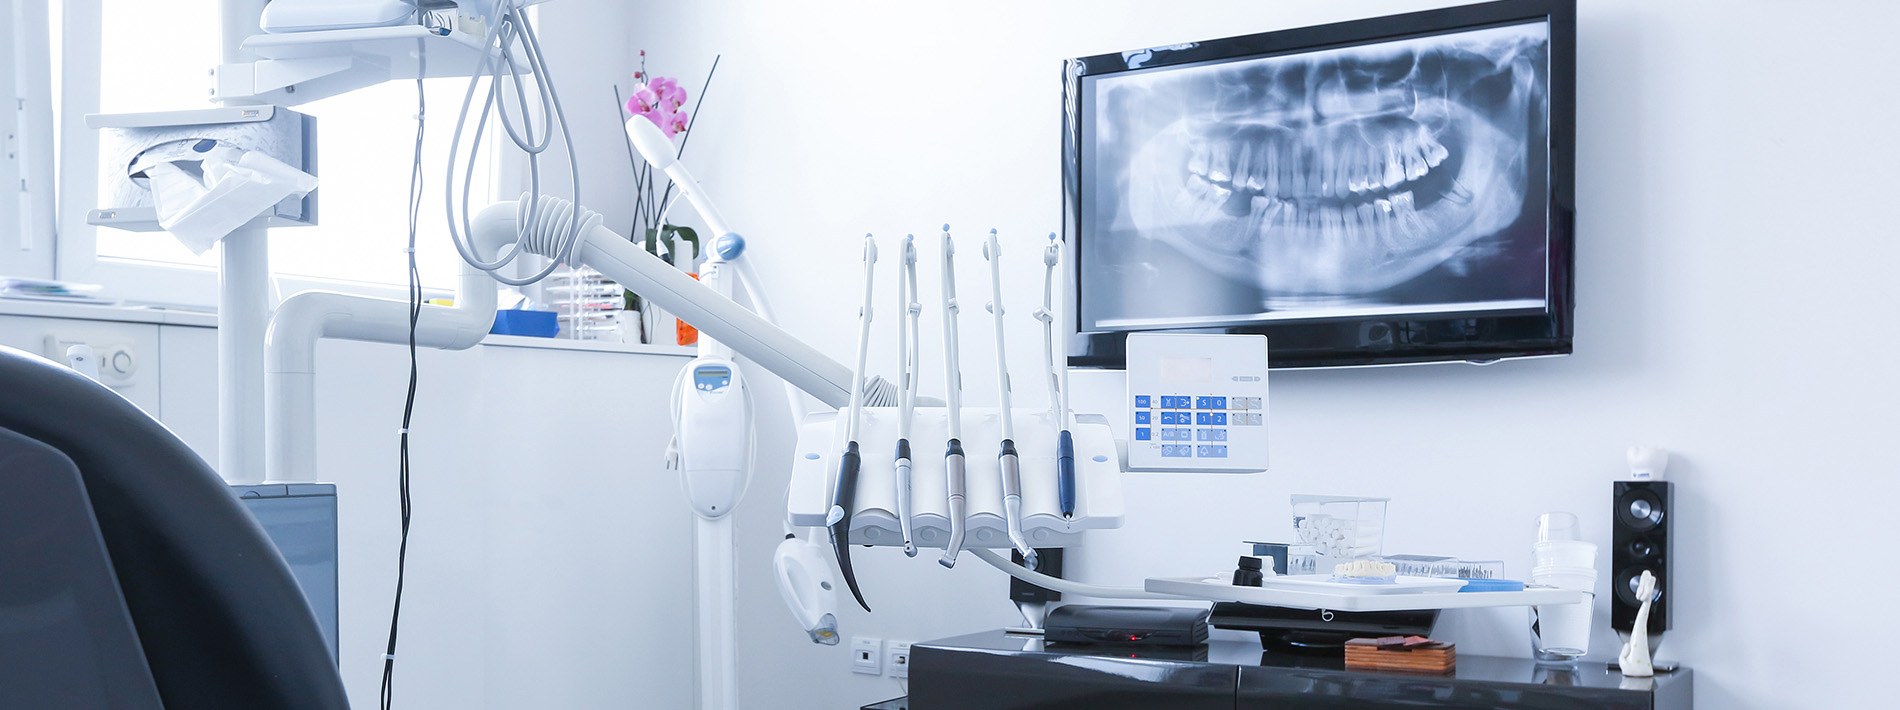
[
  {"x": 946, "y": 226},
  {"x": 910, "y": 549},
  {"x": 992, "y": 230},
  {"x": 909, "y": 237},
  {"x": 1052, "y": 236},
  {"x": 1029, "y": 560},
  {"x": 948, "y": 562}
]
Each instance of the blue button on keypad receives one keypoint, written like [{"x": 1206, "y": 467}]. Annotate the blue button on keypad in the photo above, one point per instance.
[
  {"x": 1141, "y": 400},
  {"x": 1216, "y": 434},
  {"x": 1217, "y": 403},
  {"x": 1219, "y": 418},
  {"x": 1215, "y": 451},
  {"x": 1202, "y": 418},
  {"x": 1142, "y": 417},
  {"x": 1167, "y": 417},
  {"x": 1143, "y": 434}
]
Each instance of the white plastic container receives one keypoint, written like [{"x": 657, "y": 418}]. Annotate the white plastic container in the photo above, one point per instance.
[
  {"x": 1339, "y": 528},
  {"x": 1564, "y": 553}
]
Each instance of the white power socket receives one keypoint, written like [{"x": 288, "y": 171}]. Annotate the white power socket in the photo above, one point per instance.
[
  {"x": 898, "y": 653},
  {"x": 867, "y": 655}
]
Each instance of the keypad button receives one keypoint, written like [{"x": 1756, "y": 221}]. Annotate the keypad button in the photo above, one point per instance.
[
  {"x": 1202, "y": 418},
  {"x": 1215, "y": 451},
  {"x": 1220, "y": 418},
  {"x": 1167, "y": 417},
  {"x": 1141, "y": 400},
  {"x": 1254, "y": 419},
  {"x": 1143, "y": 434},
  {"x": 1142, "y": 417},
  {"x": 1217, "y": 402}
]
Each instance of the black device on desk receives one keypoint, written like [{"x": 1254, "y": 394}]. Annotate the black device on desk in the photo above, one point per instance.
[
  {"x": 1126, "y": 626},
  {"x": 1315, "y": 632}
]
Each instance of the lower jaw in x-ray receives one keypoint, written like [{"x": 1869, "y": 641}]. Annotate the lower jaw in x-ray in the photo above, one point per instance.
[{"x": 1337, "y": 209}]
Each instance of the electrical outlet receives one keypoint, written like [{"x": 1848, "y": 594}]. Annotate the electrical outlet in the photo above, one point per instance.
[
  {"x": 898, "y": 655},
  {"x": 867, "y": 656}
]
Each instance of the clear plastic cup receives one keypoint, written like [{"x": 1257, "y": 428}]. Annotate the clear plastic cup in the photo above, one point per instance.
[
  {"x": 1561, "y": 632},
  {"x": 1558, "y": 526}
]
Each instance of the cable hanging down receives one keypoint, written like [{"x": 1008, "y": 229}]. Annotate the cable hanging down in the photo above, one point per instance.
[{"x": 512, "y": 26}]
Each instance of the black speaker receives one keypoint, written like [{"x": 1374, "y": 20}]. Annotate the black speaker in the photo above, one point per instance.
[{"x": 1643, "y": 516}]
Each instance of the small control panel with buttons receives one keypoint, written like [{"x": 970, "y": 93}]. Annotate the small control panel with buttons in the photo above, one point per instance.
[{"x": 1197, "y": 403}]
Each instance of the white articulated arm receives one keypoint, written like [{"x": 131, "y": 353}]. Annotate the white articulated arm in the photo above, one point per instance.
[
  {"x": 720, "y": 318},
  {"x": 290, "y": 388}
]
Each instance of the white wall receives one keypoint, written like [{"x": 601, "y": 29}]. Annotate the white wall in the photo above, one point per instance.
[{"x": 1730, "y": 261}]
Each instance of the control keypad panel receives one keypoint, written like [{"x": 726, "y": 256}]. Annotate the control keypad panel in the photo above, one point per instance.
[
  {"x": 1194, "y": 426},
  {"x": 1197, "y": 402}
]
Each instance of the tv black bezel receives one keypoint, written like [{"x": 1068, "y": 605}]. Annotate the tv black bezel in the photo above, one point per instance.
[{"x": 1437, "y": 337}]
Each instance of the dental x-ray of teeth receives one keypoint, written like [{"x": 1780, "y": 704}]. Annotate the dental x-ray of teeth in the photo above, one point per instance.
[{"x": 1403, "y": 177}]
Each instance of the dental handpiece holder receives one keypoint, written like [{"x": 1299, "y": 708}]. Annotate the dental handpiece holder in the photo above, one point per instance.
[{"x": 1098, "y": 505}]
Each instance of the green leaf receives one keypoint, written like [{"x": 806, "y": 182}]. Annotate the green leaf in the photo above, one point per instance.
[{"x": 688, "y": 234}]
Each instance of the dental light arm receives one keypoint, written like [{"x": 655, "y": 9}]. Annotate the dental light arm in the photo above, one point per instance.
[{"x": 658, "y": 151}]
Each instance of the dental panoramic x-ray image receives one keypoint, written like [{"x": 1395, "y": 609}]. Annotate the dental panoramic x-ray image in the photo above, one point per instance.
[{"x": 1404, "y": 177}]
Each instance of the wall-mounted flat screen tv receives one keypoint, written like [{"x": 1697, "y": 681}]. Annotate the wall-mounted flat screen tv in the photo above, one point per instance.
[{"x": 1385, "y": 191}]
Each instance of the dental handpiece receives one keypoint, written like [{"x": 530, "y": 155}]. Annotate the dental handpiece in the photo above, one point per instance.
[
  {"x": 953, "y": 396},
  {"x": 1008, "y": 461},
  {"x": 844, "y": 494},
  {"x": 1058, "y": 395},
  {"x": 907, "y": 359}
]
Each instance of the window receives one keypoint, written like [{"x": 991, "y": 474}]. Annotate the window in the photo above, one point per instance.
[{"x": 365, "y": 144}]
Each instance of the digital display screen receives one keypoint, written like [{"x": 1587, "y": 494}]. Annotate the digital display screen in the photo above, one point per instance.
[
  {"x": 1401, "y": 177},
  {"x": 1187, "y": 369}
]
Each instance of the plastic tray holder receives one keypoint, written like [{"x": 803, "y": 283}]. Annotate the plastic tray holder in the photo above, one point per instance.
[
  {"x": 1098, "y": 503},
  {"x": 1345, "y": 600}
]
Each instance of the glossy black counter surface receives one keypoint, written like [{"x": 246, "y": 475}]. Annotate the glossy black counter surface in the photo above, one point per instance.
[{"x": 996, "y": 671}]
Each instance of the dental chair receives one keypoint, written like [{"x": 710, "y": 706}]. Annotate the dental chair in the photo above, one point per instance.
[{"x": 130, "y": 576}]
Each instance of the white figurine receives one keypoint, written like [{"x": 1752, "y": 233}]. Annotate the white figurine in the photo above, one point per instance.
[{"x": 1635, "y": 660}]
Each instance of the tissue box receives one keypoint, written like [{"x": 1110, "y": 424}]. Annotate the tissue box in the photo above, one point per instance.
[{"x": 124, "y": 139}]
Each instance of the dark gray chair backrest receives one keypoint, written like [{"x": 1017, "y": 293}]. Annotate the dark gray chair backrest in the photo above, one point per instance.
[{"x": 219, "y": 618}]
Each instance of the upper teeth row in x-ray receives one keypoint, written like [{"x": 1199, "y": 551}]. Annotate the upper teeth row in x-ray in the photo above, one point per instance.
[{"x": 1305, "y": 172}]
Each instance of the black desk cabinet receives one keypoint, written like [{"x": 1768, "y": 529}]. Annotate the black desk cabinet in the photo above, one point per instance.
[{"x": 997, "y": 671}]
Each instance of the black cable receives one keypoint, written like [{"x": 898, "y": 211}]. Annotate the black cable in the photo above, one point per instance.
[{"x": 409, "y": 403}]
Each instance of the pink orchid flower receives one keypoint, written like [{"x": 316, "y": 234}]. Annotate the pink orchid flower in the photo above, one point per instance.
[
  {"x": 643, "y": 101},
  {"x": 671, "y": 95},
  {"x": 676, "y": 124}
]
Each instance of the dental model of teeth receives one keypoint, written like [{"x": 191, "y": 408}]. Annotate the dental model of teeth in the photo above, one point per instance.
[
  {"x": 1364, "y": 569},
  {"x": 1339, "y": 538}
]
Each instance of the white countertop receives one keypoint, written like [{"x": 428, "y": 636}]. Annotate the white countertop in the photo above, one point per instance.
[{"x": 208, "y": 319}]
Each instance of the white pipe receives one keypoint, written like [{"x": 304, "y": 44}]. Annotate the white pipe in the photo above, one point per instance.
[
  {"x": 717, "y": 583},
  {"x": 243, "y": 302},
  {"x": 718, "y": 317},
  {"x": 1065, "y": 586},
  {"x": 303, "y": 319}
]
